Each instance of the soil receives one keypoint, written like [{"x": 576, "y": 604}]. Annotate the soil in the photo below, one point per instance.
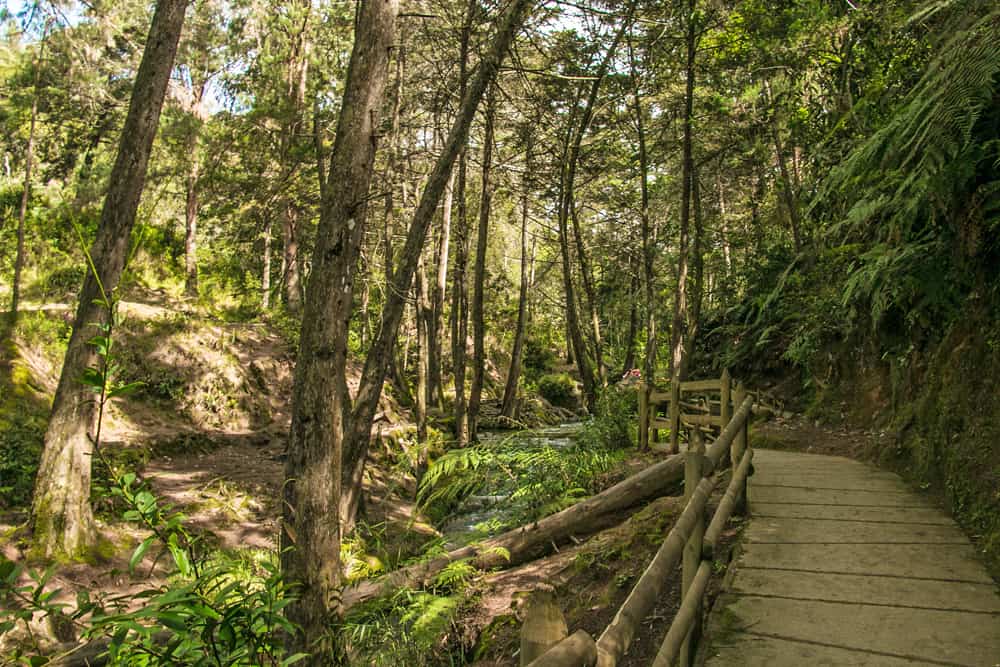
[{"x": 799, "y": 434}]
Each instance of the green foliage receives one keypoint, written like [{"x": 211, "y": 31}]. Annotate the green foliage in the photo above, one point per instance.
[
  {"x": 614, "y": 425},
  {"x": 923, "y": 191},
  {"x": 215, "y": 610},
  {"x": 536, "y": 479},
  {"x": 410, "y": 627},
  {"x": 538, "y": 358},
  {"x": 559, "y": 389},
  {"x": 21, "y": 437}
]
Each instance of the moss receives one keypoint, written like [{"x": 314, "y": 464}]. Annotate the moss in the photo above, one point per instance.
[
  {"x": 947, "y": 429},
  {"x": 103, "y": 551}
]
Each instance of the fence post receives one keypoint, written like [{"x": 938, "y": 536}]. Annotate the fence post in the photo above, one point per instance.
[
  {"x": 643, "y": 416},
  {"x": 544, "y": 626},
  {"x": 675, "y": 416},
  {"x": 726, "y": 410},
  {"x": 693, "y": 471},
  {"x": 739, "y": 446}
]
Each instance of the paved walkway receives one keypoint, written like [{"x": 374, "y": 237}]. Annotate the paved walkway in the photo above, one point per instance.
[{"x": 843, "y": 565}]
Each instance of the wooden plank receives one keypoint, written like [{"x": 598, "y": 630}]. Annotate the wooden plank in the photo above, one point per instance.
[
  {"x": 702, "y": 385},
  {"x": 659, "y": 397},
  {"x": 576, "y": 650},
  {"x": 693, "y": 460},
  {"x": 701, "y": 420},
  {"x": 689, "y": 612},
  {"x": 544, "y": 626},
  {"x": 616, "y": 638}
]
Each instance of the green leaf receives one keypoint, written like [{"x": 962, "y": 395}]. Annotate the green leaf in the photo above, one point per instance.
[
  {"x": 125, "y": 389},
  {"x": 140, "y": 551}
]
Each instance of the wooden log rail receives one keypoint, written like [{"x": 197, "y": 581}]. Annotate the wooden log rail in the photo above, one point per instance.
[
  {"x": 688, "y": 539},
  {"x": 711, "y": 412}
]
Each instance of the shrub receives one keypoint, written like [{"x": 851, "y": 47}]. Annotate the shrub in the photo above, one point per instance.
[
  {"x": 613, "y": 425},
  {"x": 20, "y": 452},
  {"x": 538, "y": 358},
  {"x": 558, "y": 389}
]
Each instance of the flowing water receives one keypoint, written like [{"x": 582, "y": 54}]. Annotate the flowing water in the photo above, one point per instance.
[{"x": 480, "y": 511}]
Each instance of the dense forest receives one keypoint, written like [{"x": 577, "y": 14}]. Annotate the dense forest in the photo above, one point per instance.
[{"x": 293, "y": 286}]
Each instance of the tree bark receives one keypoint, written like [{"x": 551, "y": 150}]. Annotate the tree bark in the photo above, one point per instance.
[
  {"x": 479, "y": 273},
  {"x": 788, "y": 195},
  {"x": 29, "y": 156},
  {"x": 514, "y": 372},
  {"x": 311, "y": 523},
  {"x": 460, "y": 293},
  {"x": 567, "y": 212},
  {"x": 423, "y": 318},
  {"x": 296, "y": 78},
  {"x": 681, "y": 305},
  {"x": 437, "y": 298},
  {"x": 61, "y": 515},
  {"x": 679, "y": 333},
  {"x": 633, "y": 326},
  {"x": 292, "y": 277},
  {"x": 265, "y": 278},
  {"x": 698, "y": 267},
  {"x": 191, "y": 218},
  {"x": 373, "y": 375}
]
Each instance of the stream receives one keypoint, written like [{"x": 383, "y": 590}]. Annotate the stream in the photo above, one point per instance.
[{"x": 479, "y": 511}]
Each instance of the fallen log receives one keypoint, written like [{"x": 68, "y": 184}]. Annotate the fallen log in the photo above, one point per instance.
[{"x": 532, "y": 540}]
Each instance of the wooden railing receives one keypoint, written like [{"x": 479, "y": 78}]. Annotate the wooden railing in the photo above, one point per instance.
[
  {"x": 695, "y": 404},
  {"x": 688, "y": 539}
]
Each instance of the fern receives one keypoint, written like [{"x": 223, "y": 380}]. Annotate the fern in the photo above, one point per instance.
[
  {"x": 536, "y": 479},
  {"x": 909, "y": 185}
]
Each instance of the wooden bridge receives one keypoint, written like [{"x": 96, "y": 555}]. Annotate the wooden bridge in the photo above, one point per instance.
[{"x": 841, "y": 564}]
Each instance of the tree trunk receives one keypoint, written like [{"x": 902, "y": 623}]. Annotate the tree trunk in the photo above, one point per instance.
[
  {"x": 587, "y": 278},
  {"x": 292, "y": 277},
  {"x": 61, "y": 515},
  {"x": 296, "y": 78},
  {"x": 727, "y": 253},
  {"x": 698, "y": 268},
  {"x": 633, "y": 326},
  {"x": 423, "y": 318},
  {"x": 514, "y": 372},
  {"x": 191, "y": 220},
  {"x": 460, "y": 292},
  {"x": 679, "y": 333},
  {"x": 29, "y": 156},
  {"x": 373, "y": 376},
  {"x": 265, "y": 278},
  {"x": 479, "y": 274},
  {"x": 311, "y": 523},
  {"x": 567, "y": 211},
  {"x": 788, "y": 195},
  {"x": 437, "y": 299}
]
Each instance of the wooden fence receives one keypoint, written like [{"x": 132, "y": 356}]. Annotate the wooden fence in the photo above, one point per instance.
[
  {"x": 695, "y": 405},
  {"x": 689, "y": 539}
]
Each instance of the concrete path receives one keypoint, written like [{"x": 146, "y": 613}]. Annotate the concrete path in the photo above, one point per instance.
[{"x": 843, "y": 565}]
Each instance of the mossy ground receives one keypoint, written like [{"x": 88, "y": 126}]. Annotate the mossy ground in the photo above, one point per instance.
[{"x": 947, "y": 428}]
